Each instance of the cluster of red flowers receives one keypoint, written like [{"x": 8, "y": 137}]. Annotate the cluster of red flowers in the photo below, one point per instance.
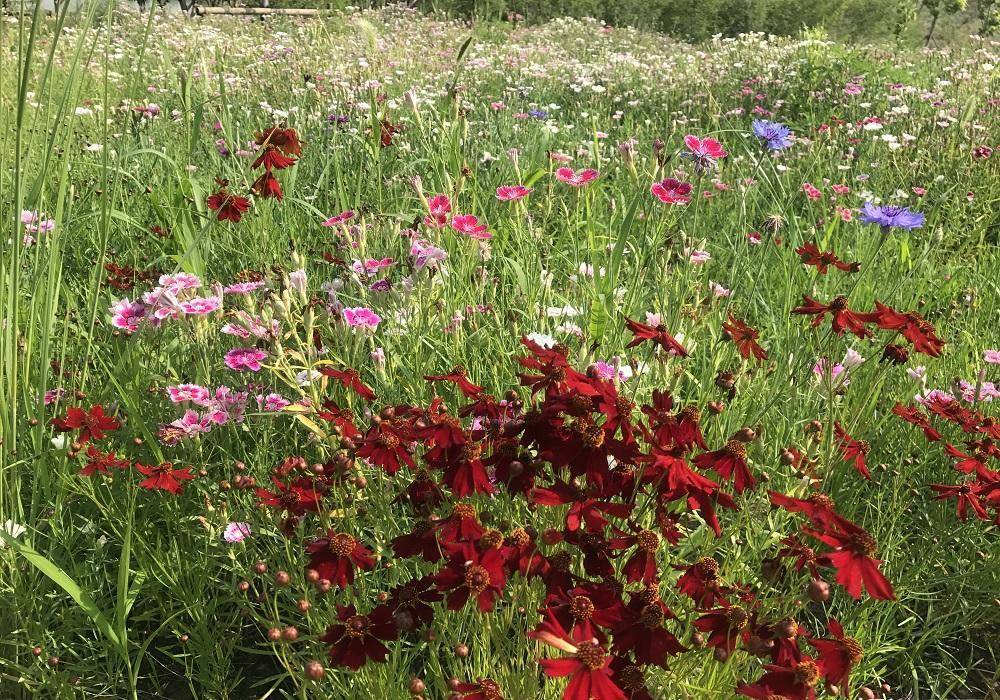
[
  {"x": 610, "y": 466},
  {"x": 910, "y": 325},
  {"x": 93, "y": 425},
  {"x": 978, "y": 488},
  {"x": 277, "y": 148}
]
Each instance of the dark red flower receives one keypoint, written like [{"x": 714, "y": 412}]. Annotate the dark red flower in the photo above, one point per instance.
[
  {"x": 796, "y": 682},
  {"x": 967, "y": 496},
  {"x": 228, "y": 206},
  {"x": 459, "y": 377},
  {"x": 912, "y": 326},
  {"x": 745, "y": 339},
  {"x": 267, "y": 186},
  {"x": 385, "y": 446},
  {"x": 852, "y": 557},
  {"x": 641, "y": 565},
  {"x": 642, "y": 633},
  {"x": 92, "y": 423},
  {"x": 588, "y": 667},
  {"x": 810, "y": 254},
  {"x": 163, "y": 477},
  {"x": 837, "y": 656},
  {"x": 725, "y": 626},
  {"x": 915, "y": 416},
  {"x": 355, "y": 639},
  {"x": 421, "y": 540},
  {"x": 853, "y": 451},
  {"x": 471, "y": 574},
  {"x": 102, "y": 462},
  {"x": 584, "y": 510},
  {"x": 337, "y": 556},
  {"x": 283, "y": 138},
  {"x": 294, "y": 497},
  {"x": 411, "y": 602},
  {"x": 843, "y": 318},
  {"x": 586, "y": 610},
  {"x": 701, "y": 583},
  {"x": 481, "y": 689},
  {"x": 658, "y": 334},
  {"x": 818, "y": 507},
  {"x": 729, "y": 461},
  {"x": 349, "y": 379}
]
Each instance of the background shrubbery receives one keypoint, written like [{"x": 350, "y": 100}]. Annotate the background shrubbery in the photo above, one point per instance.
[{"x": 851, "y": 20}]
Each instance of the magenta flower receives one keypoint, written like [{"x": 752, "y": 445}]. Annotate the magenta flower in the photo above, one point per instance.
[
  {"x": 470, "y": 226},
  {"x": 362, "y": 317},
  {"x": 188, "y": 392},
  {"x": 439, "y": 207},
  {"x": 578, "y": 178},
  {"x": 338, "y": 219},
  {"x": 671, "y": 191},
  {"x": 127, "y": 315},
  {"x": 241, "y": 359},
  {"x": 512, "y": 193},
  {"x": 705, "y": 152}
]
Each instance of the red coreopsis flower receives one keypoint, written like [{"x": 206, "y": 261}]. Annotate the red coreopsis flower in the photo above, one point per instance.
[
  {"x": 584, "y": 510},
  {"x": 914, "y": 416},
  {"x": 843, "y": 318},
  {"x": 725, "y": 626},
  {"x": 384, "y": 445},
  {"x": 682, "y": 428},
  {"x": 968, "y": 495},
  {"x": 805, "y": 556},
  {"x": 701, "y": 582},
  {"x": 641, "y": 566},
  {"x": 745, "y": 339},
  {"x": 811, "y": 255},
  {"x": 586, "y": 611},
  {"x": 226, "y": 205},
  {"x": 818, "y": 507},
  {"x": 267, "y": 186},
  {"x": 349, "y": 379},
  {"x": 795, "y": 682},
  {"x": 337, "y": 556},
  {"x": 471, "y": 574},
  {"x": 642, "y": 633},
  {"x": 556, "y": 374},
  {"x": 421, "y": 540},
  {"x": 284, "y": 138},
  {"x": 355, "y": 639},
  {"x": 464, "y": 471},
  {"x": 727, "y": 462},
  {"x": 294, "y": 497},
  {"x": 631, "y": 679},
  {"x": 658, "y": 335},
  {"x": 853, "y": 451},
  {"x": 482, "y": 689},
  {"x": 411, "y": 602},
  {"x": 341, "y": 418},
  {"x": 837, "y": 656},
  {"x": 102, "y": 462},
  {"x": 852, "y": 557},
  {"x": 459, "y": 528},
  {"x": 912, "y": 326},
  {"x": 459, "y": 377},
  {"x": 92, "y": 423},
  {"x": 588, "y": 668},
  {"x": 163, "y": 477}
]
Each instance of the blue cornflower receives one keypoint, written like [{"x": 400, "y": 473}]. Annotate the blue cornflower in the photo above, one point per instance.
[
  {"x": 891, "y": 216},
  {"x": 538, "y": 113},
  {"x": 774, "y": 134}
]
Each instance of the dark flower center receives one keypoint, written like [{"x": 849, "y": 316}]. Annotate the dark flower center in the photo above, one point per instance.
[
  {"x": 491, "y": 539},
  {"x": 648, "y": 541},
  {"x": 691, "y": 412},
  {"x": 735, "y": 448},
  {"x": 839, "y": 303},
  {"x": 342, "y": 544},
  {"x": 864, "y": 543},
  {"x": 708, "y": 567},
  {"x": 477, "y": 578},
  {"x": 490, "y": 690},
  {"x": 631, "y": 679},
  {"x": 463, "y": 510},
  {"x": 560, "y": 561},
  {"x": 651, "y": 616},
  {"x": 459, "y": 370},
  {"x": 471, "y": 451},
  {"x": 821, "y": 500},
  {"x": 624, "y": 405},
  {"x": 853, "y": 648},
  {"x": 388, "y": 440},
  {"x": 519, "y": 537},
  {"x": 736, "y": 618},
  {"x": 807, "y": 673},
  {"x": 581, "y": 607},
  {"x": 357, "y": 626},
  {"x": 590, "y": 654}
]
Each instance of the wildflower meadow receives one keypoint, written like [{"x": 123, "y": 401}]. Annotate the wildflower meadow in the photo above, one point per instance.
[{"x": 383, "y": 355}]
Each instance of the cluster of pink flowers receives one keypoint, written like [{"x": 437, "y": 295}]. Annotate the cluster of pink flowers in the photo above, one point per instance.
[
  {"x": 173, "y": 299},
  {"x": 219, "y": 407}
]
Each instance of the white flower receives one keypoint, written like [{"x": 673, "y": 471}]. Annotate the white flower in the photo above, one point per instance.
[
  {"x": 13, "y": 530},
  {"x": 546, "y": 341},
  {"x": 852, "y": 358}
]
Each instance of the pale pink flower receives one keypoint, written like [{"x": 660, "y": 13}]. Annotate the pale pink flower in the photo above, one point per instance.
[
  {"x": 992, "y": 357},
  {"x": 425, "y": 254},
  {"x": 853, "y": 89},
  {"x": 201, "y": 306},
  {"x": 243, "y": 287},
  {"x": 53, "y": 395},
  {"x": 272, "y": 402},
  {"x": 188, "y": 392},
  {"x": 362, "y": 317},
  {"x": 837, "y": 374},
  {"x": 512, "y": 193},
  {"x": 578, "y": 178},
  {"x": 371, "y": 267},
  {"x": 34, "y": 223},
  {"x": 653, "y": 319},
  {"x": 241, "y": 359},
  {"x": 718, "y": 290},
  {"x": 699, "y": 257},
  {"x": 236, "y": 532},
  {"x": 338, "y": 219}
]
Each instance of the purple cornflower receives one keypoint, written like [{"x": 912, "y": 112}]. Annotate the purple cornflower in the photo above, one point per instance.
[
  {"x": 776, "y": 136},
  {"x": 890, "y": 216}
]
